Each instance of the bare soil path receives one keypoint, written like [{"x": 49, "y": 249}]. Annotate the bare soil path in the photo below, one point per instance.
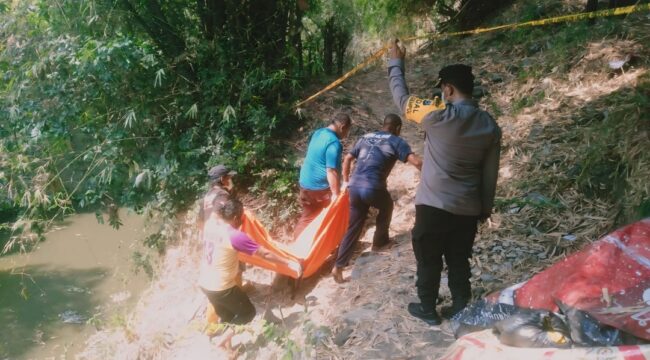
[
  {"x": 367, "y": 315},
  {"x": 366, "y": 318}
]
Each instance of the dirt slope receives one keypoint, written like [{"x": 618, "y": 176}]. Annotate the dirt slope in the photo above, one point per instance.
[
  {"x": 367, "y": 313},
  {"x": 553, "y": 103},
  {"x": 371, "y": 307}
]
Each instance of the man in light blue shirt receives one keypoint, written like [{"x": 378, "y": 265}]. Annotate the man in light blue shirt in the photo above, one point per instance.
[{"x": 321, "y": 171}]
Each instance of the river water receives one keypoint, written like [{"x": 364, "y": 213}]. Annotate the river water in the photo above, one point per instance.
[{"x": 80, "y": 278}]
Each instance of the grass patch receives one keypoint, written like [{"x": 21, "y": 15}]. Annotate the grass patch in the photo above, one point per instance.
[
  {"x": 644, "y": 208},
  {"x": 494, "y": 108},
  {"x": 535, "y": 201},
  {"x": 527, "y": 101},
  {"x": 603, "y": 173},
  {"x": 614, "y": 150}
]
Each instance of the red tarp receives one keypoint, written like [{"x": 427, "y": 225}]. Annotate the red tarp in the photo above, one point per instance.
[{"x": 609, "y": 279}]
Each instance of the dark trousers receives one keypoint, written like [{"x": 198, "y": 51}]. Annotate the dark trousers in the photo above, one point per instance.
[
  {"x": 438, "y": 233},
  {"x": 312, "y": 202},
  {"x": 361, "y": 199},
  {"x": 232, "y": 305}
]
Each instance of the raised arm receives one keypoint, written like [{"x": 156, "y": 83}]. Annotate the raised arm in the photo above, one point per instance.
[
  {"x": 396, "y": 80},
  {"x": 412, "y": 107}
]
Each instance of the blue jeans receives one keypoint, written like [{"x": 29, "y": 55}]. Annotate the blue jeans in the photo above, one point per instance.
[{"x": 361, "y": 199}]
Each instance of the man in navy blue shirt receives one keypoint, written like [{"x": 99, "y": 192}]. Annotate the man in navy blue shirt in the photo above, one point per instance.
[{"x": 376, "y": 154}]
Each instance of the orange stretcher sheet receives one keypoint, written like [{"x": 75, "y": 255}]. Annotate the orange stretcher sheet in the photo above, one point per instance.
[{"x": 314, "y": 245}]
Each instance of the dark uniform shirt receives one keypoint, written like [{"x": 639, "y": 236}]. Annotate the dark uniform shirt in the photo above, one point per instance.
[{"x": 376, "y": 154}]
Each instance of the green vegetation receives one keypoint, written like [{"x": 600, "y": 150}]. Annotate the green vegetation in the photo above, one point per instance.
[
  {"x": 106, "y": 107},
  {"x": 527, "y": 100},
  {"x": 602, "y": 152},
  {"x": 108, "y": 104},
  {"x": 607, "y": 137},
  {"x": 264, "y": 334},
  {"x": 405, "y": 17},
  {"x": 614, "y": 156}
]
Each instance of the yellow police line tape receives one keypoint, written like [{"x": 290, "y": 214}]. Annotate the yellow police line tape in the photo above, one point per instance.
[{"x": 554, "y": 20}]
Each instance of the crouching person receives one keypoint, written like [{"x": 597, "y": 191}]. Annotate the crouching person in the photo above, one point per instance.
[{"x": 219, "y": 266}]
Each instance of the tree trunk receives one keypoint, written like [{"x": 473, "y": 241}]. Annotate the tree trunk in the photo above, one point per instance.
[
  {"x": 328, "y": 45},
  {"x": 297, "y": 37},
  {"x": 162, "y": 34},
  {"x": 267, "y": 27},
  {"x": 592, "y": 5},
  {"x": 165, "y": 31},
  {"x": 211, "y": 13},
  {"x": 472, "y": 13},
  {"x": 343, "y": 38}
]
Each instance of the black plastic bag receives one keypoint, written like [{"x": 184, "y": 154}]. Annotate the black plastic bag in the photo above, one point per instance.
[
  {"x": 480, "y": 315},
  {"x": 587, "y": 331},
  {"x": 534, "y": 329}
]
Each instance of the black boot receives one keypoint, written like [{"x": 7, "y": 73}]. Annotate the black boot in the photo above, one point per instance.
[
  {"x": 457, "y": 305},
  {"x": 428, "y": 316}
]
